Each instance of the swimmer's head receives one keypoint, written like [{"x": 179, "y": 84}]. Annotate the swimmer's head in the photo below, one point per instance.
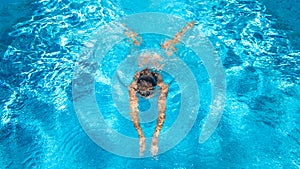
[{"x": 146, "y": 83}]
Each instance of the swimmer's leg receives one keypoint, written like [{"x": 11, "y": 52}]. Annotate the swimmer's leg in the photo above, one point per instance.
[
  {"x": 161, "y": 114},
  {"x": 132, "y": 35},
  {"x": 169, "y": 45},
  {"x": 135, "y": 116}
]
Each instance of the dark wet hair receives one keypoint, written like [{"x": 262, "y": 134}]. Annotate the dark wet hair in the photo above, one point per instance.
[
  {"x": 145, "y": 93},
  {"x": 148, "y": 80}
]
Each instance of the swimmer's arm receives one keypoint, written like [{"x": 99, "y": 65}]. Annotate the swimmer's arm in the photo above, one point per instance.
[
  {"x": 161, "y": 105},
  {"x": 135, "y": 115},
  {"x": 134, "y": 108},
  {"x": 161, "y": 113}
]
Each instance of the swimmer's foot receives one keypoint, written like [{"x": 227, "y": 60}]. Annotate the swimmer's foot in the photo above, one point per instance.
[
  {"x": 142, "y": 146},
  {"x": 154, "y": 146}
]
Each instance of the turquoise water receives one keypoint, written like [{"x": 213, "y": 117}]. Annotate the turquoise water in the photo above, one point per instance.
[{"x": 42, "y": 40}]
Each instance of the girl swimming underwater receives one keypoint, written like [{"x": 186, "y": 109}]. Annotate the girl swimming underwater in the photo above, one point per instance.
[{"x": 144, "y": 84}]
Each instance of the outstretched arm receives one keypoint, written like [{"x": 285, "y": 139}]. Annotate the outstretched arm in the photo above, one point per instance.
[
  {"x": 135, "y": 115},
  {"x": 161, "y": 105},
  {"x": 161, "y": 113}
]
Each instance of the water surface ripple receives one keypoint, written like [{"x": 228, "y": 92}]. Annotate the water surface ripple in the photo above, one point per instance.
[{"x": 260, "y": 125}]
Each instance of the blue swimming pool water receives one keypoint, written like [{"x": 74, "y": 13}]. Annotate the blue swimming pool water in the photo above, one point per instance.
[{"x": 41, "y": 41}]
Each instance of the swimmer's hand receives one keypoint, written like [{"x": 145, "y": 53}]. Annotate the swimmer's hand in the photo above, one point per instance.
[
  {"x": 142, "y": 145},
  {"x": 154, "y": 146}
]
